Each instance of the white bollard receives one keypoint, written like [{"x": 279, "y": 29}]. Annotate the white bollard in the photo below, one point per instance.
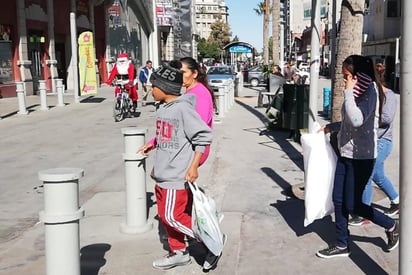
[
  {"x": 60, "y": 90},
  {"x": 135, "y": 178},
  {"x": 43, "y": 95},
  {"x": 61, "y": 217},
  {"x": 221, "y": 101},
  {"x": 21, "y": 97},
  {"x": 232, "y": 94},
  {"x": 226, "y": 96},
  {"x": 134, "y": 138}
]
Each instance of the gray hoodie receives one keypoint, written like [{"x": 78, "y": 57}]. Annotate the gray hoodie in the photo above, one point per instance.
[{"x": 179, "y": 133}]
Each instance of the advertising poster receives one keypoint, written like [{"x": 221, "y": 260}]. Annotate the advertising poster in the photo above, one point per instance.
[
  {"x": 87, "y": 69},
  {"x": 164, "y": 13},
  {"x": 182, "y": 29}
]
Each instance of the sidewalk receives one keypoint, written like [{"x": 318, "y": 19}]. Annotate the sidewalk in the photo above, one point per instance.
[{"x": 249, "y": 173}]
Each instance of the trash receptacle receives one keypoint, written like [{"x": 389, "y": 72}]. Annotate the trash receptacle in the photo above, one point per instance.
[
  {"x": 326, "y": 101},
  {"x": 275, "y": 82},
  {"x": 295, "y": 106}
]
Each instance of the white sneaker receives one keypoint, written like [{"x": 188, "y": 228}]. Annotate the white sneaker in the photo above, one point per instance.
[
  {"x": 211, "y": 259},
  {"x": 172, "y": 259}
]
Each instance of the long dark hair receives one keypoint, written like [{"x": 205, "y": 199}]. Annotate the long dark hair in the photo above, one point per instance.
[
  {"x": 363, "y": 64},
  {"x": 201, "y": 75}
]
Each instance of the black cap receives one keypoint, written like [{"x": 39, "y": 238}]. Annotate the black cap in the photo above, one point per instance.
[{"x": 167, "y": 79}]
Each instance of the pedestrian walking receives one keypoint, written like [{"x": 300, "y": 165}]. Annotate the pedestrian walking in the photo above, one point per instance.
[
  {"x": 195, "y": 82},
  {"x": 289, "y": 73},
  {"x": 144, "y": 78},
  {"x": 181, "y": 138},
  {"x": 357, "y": 144},
  {"x": 385, "y": 135},
  {"x": 276, "y": 70}
]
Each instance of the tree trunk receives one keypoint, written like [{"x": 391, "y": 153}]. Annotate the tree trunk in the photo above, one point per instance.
[
  {"x": 350, "y": 42},
  {"x": 275, "y": 32},
  {"x": 266, "y": 16}
]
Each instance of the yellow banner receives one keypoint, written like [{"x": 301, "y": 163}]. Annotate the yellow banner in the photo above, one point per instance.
[{"x": 87, "y": 69}]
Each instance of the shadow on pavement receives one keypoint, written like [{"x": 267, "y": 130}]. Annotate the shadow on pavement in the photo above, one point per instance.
[
  {"x": 92, "y": 258},
  {"x": 93, "y": 99}
]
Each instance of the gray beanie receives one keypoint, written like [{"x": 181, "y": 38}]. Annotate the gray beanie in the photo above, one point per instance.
[{"x": 167, "y": 79}]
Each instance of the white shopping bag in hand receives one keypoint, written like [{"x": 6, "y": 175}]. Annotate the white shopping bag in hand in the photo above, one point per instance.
[
  {"x": 320, "y": 164},
  {"x": 205, "y": 220}
]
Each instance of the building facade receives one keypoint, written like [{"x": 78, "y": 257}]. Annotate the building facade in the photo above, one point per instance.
[
  {"x": 36, "y": 44},
  {"x": 208, "y": 12},
  {"x": 382, "y": 26}
]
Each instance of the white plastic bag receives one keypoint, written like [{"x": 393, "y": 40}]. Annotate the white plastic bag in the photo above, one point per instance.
[
  {"x": 320, "y": 164},
  {"x": 205, "y": 220}
]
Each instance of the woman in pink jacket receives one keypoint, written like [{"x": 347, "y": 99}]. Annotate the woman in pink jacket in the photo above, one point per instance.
[{"x": 195, "y": 82}]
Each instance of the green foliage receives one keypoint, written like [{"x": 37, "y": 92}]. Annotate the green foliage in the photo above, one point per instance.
[
  {"x": 208, "y": 49},
  {"x": 219, "y": 36},
  {"x": 220, "y": 33}
]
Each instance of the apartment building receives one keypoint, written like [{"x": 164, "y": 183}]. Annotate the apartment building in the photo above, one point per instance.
[
  {"x": 36, "y": 43},
  {"x": 382, "y": 31},
  {"x": 208, "y": 12}
]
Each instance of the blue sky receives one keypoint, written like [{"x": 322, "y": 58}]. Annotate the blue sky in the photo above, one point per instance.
[{"x": 245, "y": 23}]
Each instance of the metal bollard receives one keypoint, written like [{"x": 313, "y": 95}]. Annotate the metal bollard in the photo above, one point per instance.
[
  {"x": 135, "y": 178},
  {"x": 60, "y": 89},
  {"x": 61, "y": 217},
  {"x": 43, "y": 95},
  {"x": 21, "y": 96}
]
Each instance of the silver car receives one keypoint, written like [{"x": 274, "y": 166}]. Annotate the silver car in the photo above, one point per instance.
[{"x": 218, "y": 75}]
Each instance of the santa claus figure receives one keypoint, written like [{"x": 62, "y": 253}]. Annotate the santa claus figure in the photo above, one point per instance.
[{"x": 124, "y": 70}]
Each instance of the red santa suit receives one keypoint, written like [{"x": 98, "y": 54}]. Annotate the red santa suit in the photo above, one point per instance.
[{"x": 124, "y": 69}]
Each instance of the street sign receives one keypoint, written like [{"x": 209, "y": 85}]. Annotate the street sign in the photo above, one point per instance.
[{"x": 240, "y": 49}]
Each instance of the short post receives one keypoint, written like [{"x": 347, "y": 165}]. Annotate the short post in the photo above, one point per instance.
[
  {"x": 226, "y": 96},
  {"x": 21, "y": 97},
  {"x": 232, "y": 93},
  {"x": 60, "y": 89},
  {"x": 236, "y": 87},
  {"x": 135, "y": 178},
  {"x": 221, "y": 101},
  {"x": 61, "y": 217},
  {"x": 43, "y": 95}
]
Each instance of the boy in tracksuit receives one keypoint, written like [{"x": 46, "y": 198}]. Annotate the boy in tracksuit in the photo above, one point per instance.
[{"x": 181, "y": 138}]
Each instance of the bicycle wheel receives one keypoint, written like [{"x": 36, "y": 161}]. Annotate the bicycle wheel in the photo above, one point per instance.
[
  {"x": 117, "y": 110},
  {"x": 127, "y": 108}
]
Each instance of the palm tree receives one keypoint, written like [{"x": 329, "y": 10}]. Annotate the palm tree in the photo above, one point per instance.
[
  {"x": 275, "y": 31},
  {"x": 264, "y": 8},
  {"x": 350, "y": 42}
]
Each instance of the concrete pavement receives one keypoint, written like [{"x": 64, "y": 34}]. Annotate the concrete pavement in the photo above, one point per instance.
[{"x": 249, "y": 173}]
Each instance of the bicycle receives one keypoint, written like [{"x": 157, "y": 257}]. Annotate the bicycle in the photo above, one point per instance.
[{"x": 122, "y": 104}]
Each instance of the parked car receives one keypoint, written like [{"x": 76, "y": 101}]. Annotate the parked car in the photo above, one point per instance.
[
  {"x": 254, "y": 76},
  {"x": 217, "y": 75}
]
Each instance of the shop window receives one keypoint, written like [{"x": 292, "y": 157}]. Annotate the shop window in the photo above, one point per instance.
[
  {"x": 6, "y": 54},
  {"x": 393, "y": 8}
]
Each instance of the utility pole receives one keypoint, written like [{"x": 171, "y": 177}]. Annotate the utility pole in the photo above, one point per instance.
[
  {"x": 405, "y": 173},
  {"x": 314, "y": 63}
]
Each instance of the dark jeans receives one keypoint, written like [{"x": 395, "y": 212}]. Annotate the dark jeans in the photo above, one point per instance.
[{"x": 351, "y": 176}]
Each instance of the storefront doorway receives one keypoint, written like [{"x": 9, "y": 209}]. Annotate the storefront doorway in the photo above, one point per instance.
[{"x": 36, "y": 50}]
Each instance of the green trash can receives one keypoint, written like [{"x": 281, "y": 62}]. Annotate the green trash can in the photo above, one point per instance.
[{"x": 295, "y": 106}]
